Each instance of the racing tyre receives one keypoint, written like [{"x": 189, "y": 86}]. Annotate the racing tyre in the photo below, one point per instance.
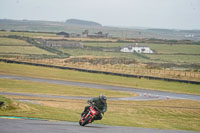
[{"x": 86, "y": 121}]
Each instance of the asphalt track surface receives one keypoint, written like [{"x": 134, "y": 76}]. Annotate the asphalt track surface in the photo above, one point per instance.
[
  {"x": 144, "y": 94},
  {"x": 43, "y": 126}
]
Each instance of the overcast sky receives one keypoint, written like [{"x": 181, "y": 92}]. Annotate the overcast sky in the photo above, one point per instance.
[{"x": 172, "y": 14}]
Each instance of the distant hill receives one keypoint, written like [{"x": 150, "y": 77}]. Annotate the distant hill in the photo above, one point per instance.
[
  {"x": 78, "y": 26},
  {"x": 82, "y": 22}
]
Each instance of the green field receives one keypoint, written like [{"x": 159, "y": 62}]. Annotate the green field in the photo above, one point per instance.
[
  {"x": 159, "y": 48},
  {"x": 99, "y": 44},
  {"x": 189, "y": 59},
  {"x": 176, "y": 49},
  {"x": 17, "y": 86},
  {"x": 11, "y": 41},
  {"x": 85, "y": 52},
  {"x": 19, "y": 48},
  {"x": 26, "y": 34},
  {"x": 23, "y": 50},
  {"x": 165, "y": 53},
  {"x": 51, "y": 73},
  {"x": 182, "y": 58}
]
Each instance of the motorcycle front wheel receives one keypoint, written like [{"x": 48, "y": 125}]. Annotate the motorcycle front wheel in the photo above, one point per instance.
[{"x": 86, "y": 121}]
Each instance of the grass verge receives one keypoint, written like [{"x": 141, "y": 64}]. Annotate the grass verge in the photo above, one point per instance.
[
  {"x": 8, "y": 85},
  {"x": 7, "y": 104}
]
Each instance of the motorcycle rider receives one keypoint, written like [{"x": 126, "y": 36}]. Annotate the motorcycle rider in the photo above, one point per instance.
[{"x": 100, "y": 103}]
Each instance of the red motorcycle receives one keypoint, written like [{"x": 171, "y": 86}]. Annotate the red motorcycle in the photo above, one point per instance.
[{"x": 89, "y": 117}]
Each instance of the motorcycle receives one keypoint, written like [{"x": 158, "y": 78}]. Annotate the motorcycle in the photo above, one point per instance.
[{"x": 90, "y": 115}]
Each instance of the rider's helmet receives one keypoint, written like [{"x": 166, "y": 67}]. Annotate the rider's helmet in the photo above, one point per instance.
[{"x": 103, "y": 98}]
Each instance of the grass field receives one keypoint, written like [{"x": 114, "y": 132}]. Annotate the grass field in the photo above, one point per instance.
[
  {"x": 10, "y": 47},
  {"x": 175, "y": 58},
  {"x": 27, "y": 34},
  {"x": 159, "y": 48},
  {"x": 175, "y": 53},
  {"x": 182, "y": 53},
  {"x": 11, "y": 41},
  {"x": 102, "y": 63},
  {"x": 52, "y": 36},
  {"x": 51, "y": 73},
  {"x": 100, "y": 44},
  {"x": 184, "y": 57},
  {"x": 179, "y": 53},
  {"x": 23, "y": 50},
  {"x": 175, "y": 49},
  {"x": 190, "y": 59},
  {"x": 85, "y": 52},
  {"x": 17, "y": 86}
]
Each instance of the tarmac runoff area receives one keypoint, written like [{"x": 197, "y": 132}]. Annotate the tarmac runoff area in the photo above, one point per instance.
[
  {"x": 18, "y": 125},
  {"x": 143, "y": 93}
]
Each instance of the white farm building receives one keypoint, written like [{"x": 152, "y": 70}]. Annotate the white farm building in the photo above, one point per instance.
[{"x": 136, "y": 48}]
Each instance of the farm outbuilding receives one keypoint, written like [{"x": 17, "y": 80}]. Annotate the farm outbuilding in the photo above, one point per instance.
[{"x": 64, "y": 34}]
